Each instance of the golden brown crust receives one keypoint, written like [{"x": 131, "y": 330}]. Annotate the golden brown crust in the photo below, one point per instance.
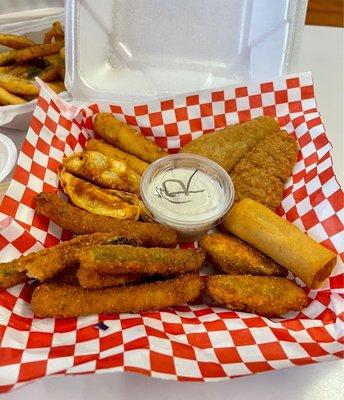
[
  {"x": 83, "y": 222},
  {"x": 89, "y": 279},
  {"x": 54, "y": 300},
  {"x": 233, "y": 256},
  {"x": 10, "y": 276},
  {"x": 264, "y": 295},
  {"x": 139, "y": 260}
]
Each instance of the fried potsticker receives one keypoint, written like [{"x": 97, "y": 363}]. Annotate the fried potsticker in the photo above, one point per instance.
[
  {"x": 264, "y": 295},
  {"x": 233, "y": 256},
  {"x": 55, "y": 300}
]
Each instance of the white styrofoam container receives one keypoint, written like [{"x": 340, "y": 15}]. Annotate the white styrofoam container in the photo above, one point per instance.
[
  {"x": 136, "y": 50},
  {"x": 33, "y": 24}
]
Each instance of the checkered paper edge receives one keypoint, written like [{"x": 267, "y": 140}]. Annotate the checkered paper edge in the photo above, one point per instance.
[{"x": 194, "y": 342}]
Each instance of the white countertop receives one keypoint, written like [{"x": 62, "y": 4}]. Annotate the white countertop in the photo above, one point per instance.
[{"x": 322, "y": 52}]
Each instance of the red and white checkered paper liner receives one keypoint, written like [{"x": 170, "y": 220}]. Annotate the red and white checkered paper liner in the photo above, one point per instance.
[{"x": 190, "y": 342}]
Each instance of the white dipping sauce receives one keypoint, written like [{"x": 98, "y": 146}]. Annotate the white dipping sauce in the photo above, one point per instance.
[{"x": 185, "y": 194}]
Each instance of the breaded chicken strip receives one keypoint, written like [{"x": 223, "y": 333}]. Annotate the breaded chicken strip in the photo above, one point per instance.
[
  {"x": 124, "y": 259},
  {"x": 264, "y": 295},
  {"x": 54, "y": 300},
  {"x": 227, "y": 146},
  {"x": 90, "y": 279},
  {"x": 233, "y": 256},
  {"x": 83, "y": 222},
  {"x": 261, "y": 174}
]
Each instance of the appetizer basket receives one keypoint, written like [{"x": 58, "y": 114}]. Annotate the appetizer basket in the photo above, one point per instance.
[{"x": 190, "y": 342}]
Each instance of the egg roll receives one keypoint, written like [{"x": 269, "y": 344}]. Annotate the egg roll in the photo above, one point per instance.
[{"x": 281, "y": 241}]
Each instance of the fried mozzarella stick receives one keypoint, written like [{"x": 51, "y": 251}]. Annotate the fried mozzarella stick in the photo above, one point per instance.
[
  {"x": 227, "y": 146},
  {"x": 54, "y": 300},
  {"x": 103, "y": 171},
  {"x": 83, "y": 222},
  {"x": 233, "y": 256},
  {"x": 264, "y": 295},
  {"x": 46, "y": 263},
  {"x": 126, "y": 138},
  {"x": 89, "y": 279},
  {"x": 124, "y": 259},
  {"x": 108, "y": 150}
]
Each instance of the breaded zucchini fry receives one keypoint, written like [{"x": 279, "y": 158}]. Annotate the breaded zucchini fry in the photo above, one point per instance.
[
  {"x": 126, "y": 138},
  {"x": 233, "y": 256},
  {"x": 123, "y": 259},
  {"x": 83, "y": 222},
  {"x": 89, "y": 279},
  {"x": 264, "y": 295},
  {"x": 7, "y": 98},
  {"x": 54, "y": 300},
  {"x": 15, "y": 41},
  {"x": 108, "y": 150},
  {"x": 21, "y": 56},
  {"x": 103, "y": 171},
  {"x": 95, "y": 199}
]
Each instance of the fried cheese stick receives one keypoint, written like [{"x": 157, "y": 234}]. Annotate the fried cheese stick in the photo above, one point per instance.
[
  {"x": 233, "y": 256},
  {"x": 264, "y": 295},
  {"x": 83, "y": 222},
  {"x": 126, "y": 138},
  {"x": 123, "y": 259},
  {"x": 89, "y": 279},
  {"x": 54, "y": 300}
]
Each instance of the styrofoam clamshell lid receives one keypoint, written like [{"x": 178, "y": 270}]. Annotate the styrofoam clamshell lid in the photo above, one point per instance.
[
  {"x": 125, "y": 50},
  {"x": 8, "y": 156}
]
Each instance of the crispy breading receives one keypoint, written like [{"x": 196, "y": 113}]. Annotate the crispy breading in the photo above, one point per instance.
[
  {"x": 264, "y": 295},
  {"x": 55, "y": 300},
  {"x": 83, "y": 222},
  {"x": 108, "y": 150},
  {"x": 261, "y": 174},
  {"x": 7, "y": 98},
  {"x": 40, "y": 50},
  {"x": 126, "y": 138},
  {"x": 90, "y": 279},
  {"x": 227, "y": 146},
  {"x": 103, "y": 171},
  {"x": 10, "y": 276},
  {"x": 15, "y": 41},
  {"x": 233, "y": 256},
  {"x": 122, "y": 259}
]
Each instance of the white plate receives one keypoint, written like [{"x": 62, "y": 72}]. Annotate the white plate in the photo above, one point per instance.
[{"x": 8, "y": 156}]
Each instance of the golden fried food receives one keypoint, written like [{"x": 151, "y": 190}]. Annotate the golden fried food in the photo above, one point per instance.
[
  {"x": 56, "y": 32},
  {"x": 227, "y": 146},
  {"x": 123, "y": 259},
  {"x": 57, "y": 62},
  {"x": 21, "y": 56},
  {"x": 264, "y": 295},
  {"x": 96, "y": 200},
  {"x": 57, "y": 86},
  {"x": 108, "y": 150},
  {"x": 62, "y": 53},
  {"x": 10, "y": 276},
  {"x": 126, "y": 138},
  {"x": 54, "y": 300},
  {"x": 89, "y": 279},
  {"x": 282, "y": 241},
  {"x": 233, "y": 256},
  {"x": 6, "y": 57},
  {"x": 15, "y": 41},
  {"x": 103, "y": 171},
  {"x": 49, "y": 74},
  {"x": 263, "y": 171},
  {"x": 17, "y": 85},
  {"x": 83, "y": 222},
  {"x": 7, "y": 98}
]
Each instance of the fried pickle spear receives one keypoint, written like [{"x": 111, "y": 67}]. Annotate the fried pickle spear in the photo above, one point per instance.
[
  {"x": 126, "y": 138},
  {"x": 261, "y": 174},
  {"x": 15, "y": 41},
  {"x": 95, "y": 199},
  {"x": 227, "y": 146},
  {"x": 89, "y": 279},
  {"x": 264, "y": 295},
  {"x": 108, "y": 150},
  {"x": 103, "y": 171},
  {"x": 83, "y": 222},
  {"x": 233, "y": 256},
  {"x": 54, "y": 300},
  {"x": 123, "y": 259},
  {"x": 10, "y": 276}
]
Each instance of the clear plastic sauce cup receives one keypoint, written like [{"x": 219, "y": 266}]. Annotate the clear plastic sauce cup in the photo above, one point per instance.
[{"x": 189, "y": 193}]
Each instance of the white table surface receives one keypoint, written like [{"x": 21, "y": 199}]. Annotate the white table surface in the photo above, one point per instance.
[{"x": 322, "y": 52}]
